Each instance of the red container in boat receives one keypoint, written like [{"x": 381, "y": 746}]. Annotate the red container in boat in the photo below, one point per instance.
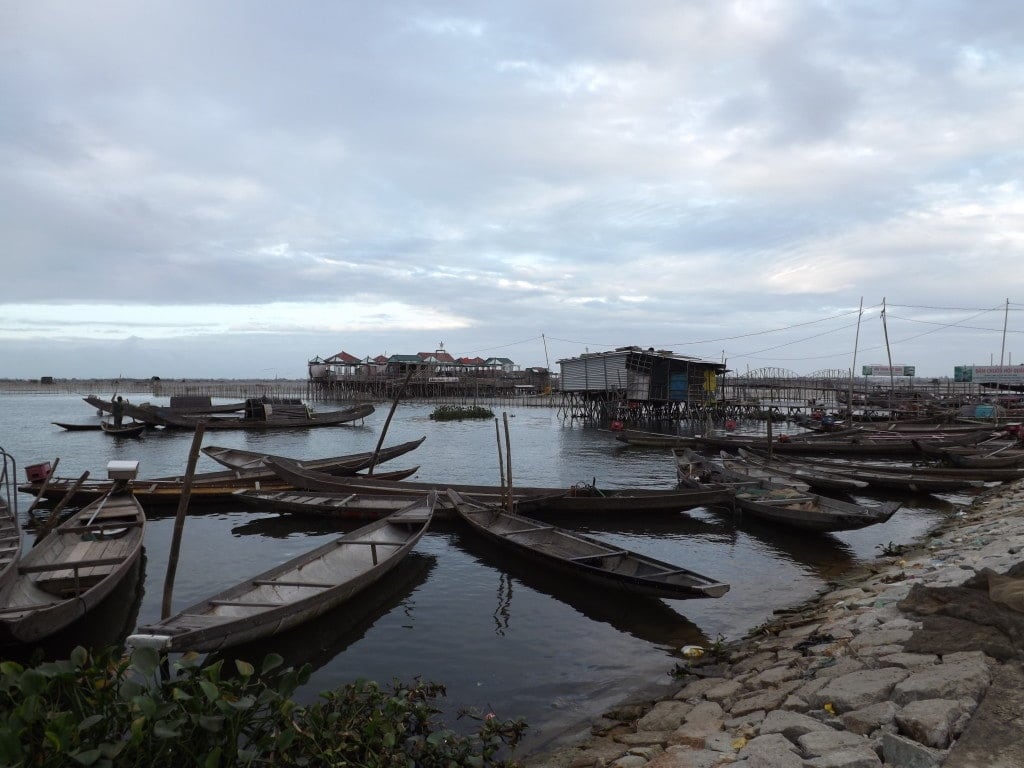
[{"x": 36, "y": 473}]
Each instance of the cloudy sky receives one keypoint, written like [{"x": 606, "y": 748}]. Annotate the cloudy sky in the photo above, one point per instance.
[{"x": 227, "y": 189}]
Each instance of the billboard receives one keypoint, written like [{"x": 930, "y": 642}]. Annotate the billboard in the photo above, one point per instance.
[
  {"x": 990, "y": 374},
  {"x": 887, "y": 370}
]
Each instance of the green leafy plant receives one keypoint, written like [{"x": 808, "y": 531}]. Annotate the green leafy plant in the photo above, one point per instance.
[
  {"x": 107, "y": 709},
  {"x": 458, "y": 412}
]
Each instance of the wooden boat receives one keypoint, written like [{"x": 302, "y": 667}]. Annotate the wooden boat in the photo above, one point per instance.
[
  {"x": 861, "y": 444},
  {"x": 583, "y": 557},
  {"x": 76, "y": 565},
  {"x": 239, "y": 459},
  {"x": 993, "y": 455},
  {"x": 903, "y": 479},
  {"x": 578, "y": 499},
  {"x": 787, "y": 506},
  {"x": 264, "y": 416},
  {"x": 10, "y": 525},
  {"x": 368, "y": 506},
  {"x": 157, "y": 493},
  {"x": 93, "y": 427},
  {"x": 296, "y": 591},
  {"x": 257, "y": 415},
  {"x": 993, "y": 475},
  {"x": 823, "y": 480},
  {"x": 132, "y": 429}
]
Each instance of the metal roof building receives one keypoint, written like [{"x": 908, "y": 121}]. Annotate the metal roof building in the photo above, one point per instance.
[{"x": 637, "y": 374}]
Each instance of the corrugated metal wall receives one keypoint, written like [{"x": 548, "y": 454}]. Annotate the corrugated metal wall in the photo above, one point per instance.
[{"x": 595, "y": 373}]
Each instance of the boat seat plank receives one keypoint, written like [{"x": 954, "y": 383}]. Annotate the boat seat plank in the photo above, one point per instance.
[
  {"x": 102, "y": 527},
  {"x": 781, "y": 500},
  {"x": 609, "y": 553},
  {"x": 529, "y": 530},
  {"x": 371, "y": 541},
  {"x": 244, "y": 604},
  {"x": 293, "y": 583},
  {"x": 69, "y": 565}
]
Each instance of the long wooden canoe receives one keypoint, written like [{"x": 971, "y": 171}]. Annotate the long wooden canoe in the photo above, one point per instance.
[
  {"x": 71, "y": 427},
  {"x": 821, "y": 479},
  {"x": 864, "y": 444},
  {"x": 906, "y": 479},
  {"x": 296, "y": 591},
  {"x": 997, "y": 475},
  {"x": 160, "y": 493},
  {"x": 579, "y": 499},
  {"x": 583, "y": 557},
  {"x": 345, "y": 506},
  {"x": 260, "y": 415},
  {"x": 73, "y": 568},
  {"x": 240, "y": 459},
  {"x": 770, "y": 502}
]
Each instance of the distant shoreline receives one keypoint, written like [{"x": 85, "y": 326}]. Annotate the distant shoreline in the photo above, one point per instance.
[{"x": 163, "y": 387}]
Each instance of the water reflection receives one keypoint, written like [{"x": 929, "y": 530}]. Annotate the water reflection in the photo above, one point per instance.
[{"x": 645, "y": 618}]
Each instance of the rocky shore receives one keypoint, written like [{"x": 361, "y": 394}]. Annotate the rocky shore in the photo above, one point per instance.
[{"x": 912, "y": 662}]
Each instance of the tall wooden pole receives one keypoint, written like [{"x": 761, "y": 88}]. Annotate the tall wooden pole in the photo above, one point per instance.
[
  {"x": 387, "y": 421},
  {"x": 1006, "y": 317},
  {"x": 179, "y": 520},
  {"x": 888, "y": 352},
  {"x": 853, "y": 368},
  {"x": 501, "y": 460},
  {"x": 508, "y": 462}
]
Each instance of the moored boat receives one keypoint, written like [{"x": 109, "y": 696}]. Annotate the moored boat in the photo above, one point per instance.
[
  {"x": 76, "y": 565},
  {"x": 240, "y": 459},
  {"x": 296, "y": 591},
  {"x": 578, "y": 499},
  {"x": 788, "y": 506},
  {"x": 578, "y": 556}
]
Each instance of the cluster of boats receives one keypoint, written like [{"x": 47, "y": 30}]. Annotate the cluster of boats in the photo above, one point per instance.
[{"x": 78, "y": 559}]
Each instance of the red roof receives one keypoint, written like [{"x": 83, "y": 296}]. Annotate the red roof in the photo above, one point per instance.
[
  {"x": 343, "y": 357},
  {"x": 441, "y": 356},
  {"x": 471, "y": 360}
]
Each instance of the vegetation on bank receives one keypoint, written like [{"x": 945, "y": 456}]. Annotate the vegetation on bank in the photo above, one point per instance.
[
  {"x": 106, "y": 709},
  {"x": 458, "y": 412}
]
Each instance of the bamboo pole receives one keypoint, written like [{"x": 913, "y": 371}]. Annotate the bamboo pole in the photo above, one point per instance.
[
  {"x": 54, "y": 516},
  {"x": 387, "y": 421},
  {"x": 179, "y": 519},
  {"x": 508, "y": 462},
  {"x": 501, "y": 460}
]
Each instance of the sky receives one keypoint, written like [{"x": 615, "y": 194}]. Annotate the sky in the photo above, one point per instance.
[{"x": 229, "y": 189}]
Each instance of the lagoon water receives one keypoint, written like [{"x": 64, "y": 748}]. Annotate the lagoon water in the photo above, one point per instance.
[{"x": 500, "y": 637}]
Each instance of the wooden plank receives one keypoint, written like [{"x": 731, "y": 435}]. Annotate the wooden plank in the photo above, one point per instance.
[
  {"x": 610, "y": 553},
  {"x": 285, "y": 583},
  {"x": 529, "y": 530},
  {"x": 241, "y": 604},
  {"x": 70, "y": 565}
]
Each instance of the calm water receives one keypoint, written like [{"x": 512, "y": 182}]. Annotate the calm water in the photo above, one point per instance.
[{"x": 501, "y": 638}]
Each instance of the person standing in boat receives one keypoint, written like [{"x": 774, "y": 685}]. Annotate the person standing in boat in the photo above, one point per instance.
[{"x": 118, "y": 410}]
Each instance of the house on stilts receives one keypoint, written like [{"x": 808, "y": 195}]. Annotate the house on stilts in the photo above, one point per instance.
[{"x": 632, "y": 384}]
